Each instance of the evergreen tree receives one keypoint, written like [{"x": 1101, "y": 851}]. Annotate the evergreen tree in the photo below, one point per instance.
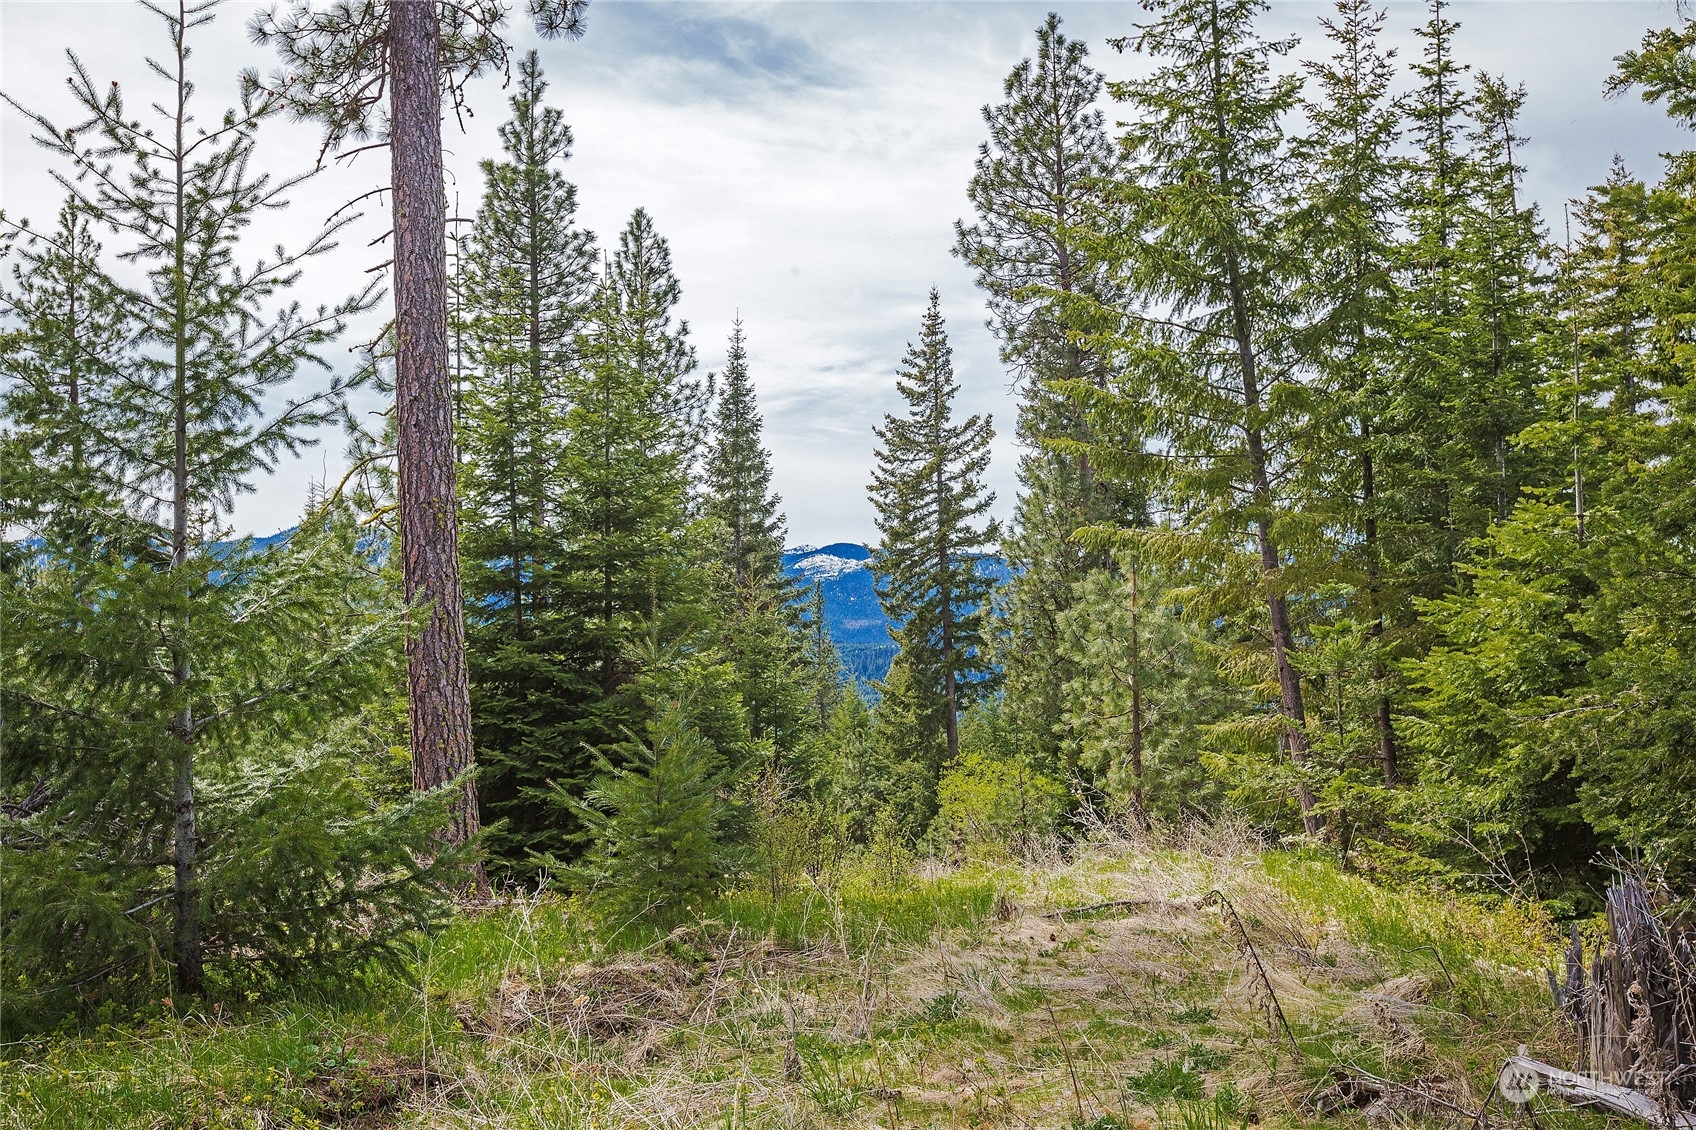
[
  {"x": 1349, "y": 221},
  {"x": 761, "y": 629},
  {"x": 849, "y": 779},
  {"x": 341, "y": 63},
  {"x": 529, "y": 286},
  {"x": 824, "y": 662},
  {"x": 1422, "y": 483},
  {"x": 1211, "y": 195},
  {"x": 1145, "y": 693},
  {"x": 1506, "y": 325},
  {"x": 738, "y": 487},
  {"x": 164, "y": 724},
  {"x": 656, "y": 852},
  {"x": 908, "y": 751},
  {"x": 70, "y": 327},
  {"x": 928, "y": 490},
  {"x": 624, "y": 508},
  {"x": 1032, "y": 247}
]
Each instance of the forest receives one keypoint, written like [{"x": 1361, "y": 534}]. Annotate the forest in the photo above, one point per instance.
[{"x": 1356, "y": 515}]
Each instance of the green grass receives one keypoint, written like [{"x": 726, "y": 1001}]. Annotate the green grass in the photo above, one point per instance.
[{"x": 871, "y": 1001}]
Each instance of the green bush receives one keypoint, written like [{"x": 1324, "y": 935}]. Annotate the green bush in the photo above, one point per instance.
[
  {"x": 657, "y": 851},
  {"x": 993, "y": 799}
]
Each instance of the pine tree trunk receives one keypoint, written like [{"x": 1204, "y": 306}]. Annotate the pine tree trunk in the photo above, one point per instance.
[
  {"x": 437, "y": 687},
  {"x": 1387, "y": 754},
  {"x": 950, "y": 685},
  {"x": 1278, "y": 609},
  {"x": 185, "y": 889},
  {"x": 1139, "y": 803}
]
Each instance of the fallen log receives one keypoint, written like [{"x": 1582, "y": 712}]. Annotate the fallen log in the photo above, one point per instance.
[
  {"x": 1128, "y": 904},
  {"x": 1522, "y": 1079}
]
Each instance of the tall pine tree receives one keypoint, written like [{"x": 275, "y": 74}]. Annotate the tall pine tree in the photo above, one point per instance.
[
  {"x": 173, "y": 727},
  {"x": 625, "y": 467},
  {"x": 1032, "y": 246},
  {"x": 761, "y": 628},
  {"x": 528, "y": 280},
  {"x": 1211, "y": 194},
  {"x": 930, "y": 498},
  {"x": 1349, "y": 220},
  {"x": 351, "y": 65}
]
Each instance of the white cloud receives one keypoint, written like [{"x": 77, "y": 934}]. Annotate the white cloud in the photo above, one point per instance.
[{"x": 807, "y": 162}]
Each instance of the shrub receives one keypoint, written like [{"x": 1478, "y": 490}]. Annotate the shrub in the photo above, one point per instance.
[
  {"x": 657, "y": 850},
  {"x": 988, "y": 804}
]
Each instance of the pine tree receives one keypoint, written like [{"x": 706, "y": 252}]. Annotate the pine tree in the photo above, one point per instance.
[
  {"x": 850, "y": 782},
  {"x": 179, "y": 711},
  {"x": 340, "y": 62},
  {"x": 528, "y": 281},
  {"x": 824, "y": 662},
  {"x": 1032, "y": 248},
  {"x": 1145, "y": 693},
  {"x": 738, "y": 485},
  {"x": 1350, "y": 193},
  {"x": 1210, "y": 193},
  {"x": 928, "y": 490},
  {"x": 624, "y": 512},
  {"x": 1505, "y": 324},
  {"x": 1422, "y": 477},
  {"x": 908, "y": 751},
  {"x": 761, "y": 628},
  {"x": 71, "y": 325},
  {"x": 657, "y": 850}
]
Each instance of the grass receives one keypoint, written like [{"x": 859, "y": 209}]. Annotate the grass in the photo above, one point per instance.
[{"x": 941, "y": 997}]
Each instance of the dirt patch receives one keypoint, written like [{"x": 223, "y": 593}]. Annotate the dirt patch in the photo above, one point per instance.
[
  {"x": 601, "y": 1000},
  {"x": 361, "y": 1087}
]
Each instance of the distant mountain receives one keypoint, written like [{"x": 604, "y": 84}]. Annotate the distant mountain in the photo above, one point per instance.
[{"x": 852, "y": 611}]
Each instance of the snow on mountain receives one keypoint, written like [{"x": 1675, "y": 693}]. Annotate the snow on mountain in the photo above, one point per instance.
[
  {"x": 824, "y": 566},
  {"x": 852, "y": 610}
]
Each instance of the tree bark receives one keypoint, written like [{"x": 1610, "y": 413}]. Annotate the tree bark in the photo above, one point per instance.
[
  {"x": 438, "y": 692},
  {"x": 1278, "y": 609},
  {"x": 1138, "y": 799},
  {"x": 1387, "y": 753},
  {"x": 186, "y": 950},
  {"x": 950, "y": 683}
]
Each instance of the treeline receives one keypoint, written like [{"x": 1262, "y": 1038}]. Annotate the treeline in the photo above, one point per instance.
[
  {"x": 1350, "y": 497},
  {"x": 621, "y": 544}
]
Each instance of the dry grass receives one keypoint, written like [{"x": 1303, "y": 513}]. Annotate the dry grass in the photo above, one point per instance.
[{"x": 1155, "y": 1012}]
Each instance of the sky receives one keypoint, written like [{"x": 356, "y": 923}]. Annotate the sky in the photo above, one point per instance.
[{"x": 807, "y": 162}]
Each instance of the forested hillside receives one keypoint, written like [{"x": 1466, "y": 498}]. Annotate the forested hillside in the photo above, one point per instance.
[{"x": 1356, "y": 515}]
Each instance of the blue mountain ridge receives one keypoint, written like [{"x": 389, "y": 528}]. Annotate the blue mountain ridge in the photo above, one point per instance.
[
  {"x": 842, "y": 570},
  {"x": 852, "y": 611}
]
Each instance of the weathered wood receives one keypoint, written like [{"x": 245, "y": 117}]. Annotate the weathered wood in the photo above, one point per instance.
[
  {"x": 1128, "y": 904},
  {"x": 1634, "y": 1006},
  {"x": 1583, "y": 1091}
]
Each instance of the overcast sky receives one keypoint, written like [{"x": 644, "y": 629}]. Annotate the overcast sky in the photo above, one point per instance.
[{"x": 807, "y": 162}]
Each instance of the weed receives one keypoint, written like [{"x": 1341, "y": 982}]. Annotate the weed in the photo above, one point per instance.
[
  {"x": 942, "y": 1009},
  {"x": 1224, "y": 1111},
  {"x": 1165, "y": 1079},
  {"x": 830, "y": 1084}
]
